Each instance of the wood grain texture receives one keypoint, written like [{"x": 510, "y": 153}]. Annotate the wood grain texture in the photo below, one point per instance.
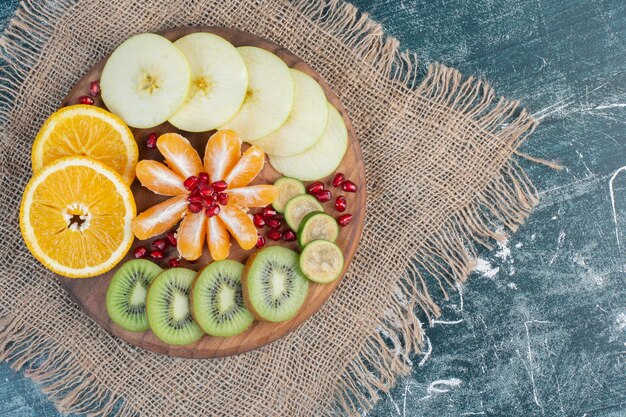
[{"x": 90, "y": 293}]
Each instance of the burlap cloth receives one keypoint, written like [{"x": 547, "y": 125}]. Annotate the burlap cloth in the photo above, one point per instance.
[{"x": 441, "y": 177}]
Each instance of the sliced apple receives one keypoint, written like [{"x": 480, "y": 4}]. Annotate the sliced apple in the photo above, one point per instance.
[
  {"x": 323, "y": 158},
  {"x": 219, "y": 80},
  {"x": 306, "y": 122},
  {"x": 145, "y": 80},
  {"x": 269, "y": 97}
]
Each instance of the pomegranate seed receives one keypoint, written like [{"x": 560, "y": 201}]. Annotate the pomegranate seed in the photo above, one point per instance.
[
  {"x": 140, "y": 252},
  {"x": 156, "y": 254},
  {"x": 275, "y": 234},
  {"x": 268, "y": 212},
  {"x": 174, "y": 263},
  {"x": 324, "y": 196},
  {"x": 207, "y": 191},
  {"x": 348, "y": 186},
  {"x": 258, "y": 220},
  {"x": 289, "y": 236},
  {"x": 210, "y": 200},
  {"x": 194, "y": 207},
  {"x": 151, "y": 141},
  {"x": 212, "y": 210},
  {"x": 222, "y": 198},
  {"x": 344, "y": 220},
  {"x": 260, "y": 242},
  {"x": 159, "y": 244},
  {"x": 203, "y": 177},
  {"x": 94, "y": 88},
  {"x": 191, "y": 183},
  {"x": 219, "y": 185},
  {"x": 195, "y": 198},
  {"x": 338, "y": 179},
  {"x": 171, "y": 238},
  {"x": 273, "y": 223},
  {"x": 315, "y": 188},
  {"x": 341, "y": 203},
  {"x": 85, "y": 100}
]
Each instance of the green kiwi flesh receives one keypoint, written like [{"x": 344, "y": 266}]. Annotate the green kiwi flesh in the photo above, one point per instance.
[
  {"x": 126, "y": 294},
  {"x": 217, "y": 299},
  {"x": 168, "y": 309},
  {"x": 274, "y": 287}
]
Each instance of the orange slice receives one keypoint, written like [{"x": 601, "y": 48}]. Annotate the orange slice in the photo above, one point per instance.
[
  {"x": 248, "y": 167},
  {"x": 159, "y": 179},
  {"x": 240, "y": 225},
  {"x": 223, "y": 150},
  {"x": 159, "y": 218},
  {"x": 76, "y": 216},
  {"x": 84, "y": 130},
  {"x": 179, "y": 155},
  {"x": 253, "y": 196},
  {"x": 191, "y": 234},
  {"x": 218, "y": 239}
]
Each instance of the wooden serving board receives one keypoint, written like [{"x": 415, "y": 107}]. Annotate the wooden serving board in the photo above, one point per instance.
[{"x": 90, "y": 293}]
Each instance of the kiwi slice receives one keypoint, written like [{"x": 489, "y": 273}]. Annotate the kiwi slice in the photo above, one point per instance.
[
  {"x": 126, "y": 295},
  {"x": 167, "y": 304},
  {"x": 274, "y": 287},
  {"x": 287, "y": 188},
  {"x": 217, "y": 299}
]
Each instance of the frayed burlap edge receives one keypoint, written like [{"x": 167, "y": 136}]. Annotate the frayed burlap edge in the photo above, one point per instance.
[{"x": 445, "y": 259}]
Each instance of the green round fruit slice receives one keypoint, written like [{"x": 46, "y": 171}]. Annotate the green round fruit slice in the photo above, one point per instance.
[
  {"x": 287, "y": 188},
  {"x": 317, "y": 226},
  {"x": 321, "y": 261},
  {"x": 126, "y": 294},
  {"x": 167, "y": 304},
  {"x": 274, "y": 288},
  {"x": 298, "y": 207},
  {"x": 145, "y": 80},
  {"x": 217, "y": 299}
]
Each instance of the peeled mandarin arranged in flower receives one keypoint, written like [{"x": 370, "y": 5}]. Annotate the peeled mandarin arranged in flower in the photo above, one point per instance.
[{"x": 211, "y": 197}]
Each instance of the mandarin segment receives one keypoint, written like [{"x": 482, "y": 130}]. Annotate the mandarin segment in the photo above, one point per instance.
[
  {"x": 223, "y": 150},
  {"x": 179, "y": 155},
  {"x": 191, "y": 235},
  {"x": 254, "y": 195},
  {"x": 159, "y": 218},
  {"x": 240, "y": 225},
  {"x": 159, "y": 179},
  {"x": 218, "y": 239},
  {"x": 248, "y": 167}
]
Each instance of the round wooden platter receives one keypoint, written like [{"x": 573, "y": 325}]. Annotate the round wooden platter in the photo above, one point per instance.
[{"x": 90, "y": 293}]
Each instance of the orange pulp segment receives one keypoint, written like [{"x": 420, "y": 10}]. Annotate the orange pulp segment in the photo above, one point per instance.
[
  {"x": 179, "y": 155},
  {"x": 240, "y": 225},
  {"x": 248, "y": 167},
  {"x": 223, "y": 150},
  {"x": 218, "y": 239},
  {"x": 159, "y": 179},
  {"x": 159, "y": 218},
  {"x": 253, "y": 195},
  {"x": 191, "y": 234}
]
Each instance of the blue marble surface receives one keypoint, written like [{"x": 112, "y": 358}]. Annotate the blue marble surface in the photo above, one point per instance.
[{"x": 540, "y": 329}]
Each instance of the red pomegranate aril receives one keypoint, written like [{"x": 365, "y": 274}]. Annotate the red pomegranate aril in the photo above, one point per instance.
[
  {"x": 222, "y": 198},
  {"x": 174, "y": 263},
  {"x": 268, "y": 212},
  {"x": 191, "y": 183},
  {"x": 194, "y": 207},
  {"x": 260, "y": 242},
  {"x": 207, "y": 191},
  {"x": 171, "y": 238},
  {"x": 157, "y": 254},
  {"x": 212, "y": 210},
  {"x": 315, "y": 188},
  {"x": 219, "y": 185},
  {"x": 344, "y": 220},
  {"x": 160, "y": 244},
  {"x": 140, "y": 252},
  {"x": 349, "y": 187},
  {"x": 258, "y": 220},
  {"x": 289, "y": 236},
  {"x": 338, "y": 179},
  {"x": 94, "y": 88},
  {"x": 195, "y": 198},
  {"x": 151, "y": 141},
  {"x": 203, "y": 178},
  {"x": 85, "y": 100},
  {"x": 341, "y": 203},
  {"x": 274, "y": 234},
  {"x": 273, "y": 223},
  {"x": 324, "y": 196}
]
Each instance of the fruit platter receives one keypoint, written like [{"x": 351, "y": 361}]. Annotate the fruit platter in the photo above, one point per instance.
[{"x": 199, "y": 193}]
